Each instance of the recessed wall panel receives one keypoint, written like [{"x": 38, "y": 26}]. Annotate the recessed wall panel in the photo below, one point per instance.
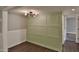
[{"x": 45, "y": 30}]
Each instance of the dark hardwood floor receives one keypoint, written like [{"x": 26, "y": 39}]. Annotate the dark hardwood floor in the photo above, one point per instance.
[
  {"x": 29, "y": 47},
  {"x": 70, "y": 46}
]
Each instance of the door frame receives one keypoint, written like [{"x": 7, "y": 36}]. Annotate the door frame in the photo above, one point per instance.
[{"x": 5, "y": 30}]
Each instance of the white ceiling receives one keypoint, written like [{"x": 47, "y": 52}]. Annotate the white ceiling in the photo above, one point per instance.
[{"x": 20, "y": 10}]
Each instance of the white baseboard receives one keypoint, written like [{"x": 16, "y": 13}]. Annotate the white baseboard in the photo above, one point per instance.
[
  {"x": 16, "y": 44},
  {"x": 43, "y": 45}
]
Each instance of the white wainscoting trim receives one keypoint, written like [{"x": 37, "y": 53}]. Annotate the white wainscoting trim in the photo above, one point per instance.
[{"x": 16, "y": 37}]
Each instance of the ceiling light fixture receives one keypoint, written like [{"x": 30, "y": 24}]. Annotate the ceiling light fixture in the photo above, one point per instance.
[
  {"x": 25, "y": 13},
  {"x": 73, "y": 9},
  {"x": 32, "y": 13}
]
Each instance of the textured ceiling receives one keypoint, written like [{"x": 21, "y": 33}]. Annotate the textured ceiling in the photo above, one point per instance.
[
  {"x": 45, "y": 8},
  {"x": 19, "y": 9}
]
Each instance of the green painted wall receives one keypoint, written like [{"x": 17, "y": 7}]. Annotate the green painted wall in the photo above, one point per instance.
[{"x": 46, "y": 30}]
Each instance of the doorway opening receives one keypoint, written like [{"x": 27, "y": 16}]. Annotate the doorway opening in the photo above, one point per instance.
[{"x": 71, "y": 33}]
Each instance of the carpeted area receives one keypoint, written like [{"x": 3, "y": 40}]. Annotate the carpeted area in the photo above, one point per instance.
[{"x": 29, "y": 47}]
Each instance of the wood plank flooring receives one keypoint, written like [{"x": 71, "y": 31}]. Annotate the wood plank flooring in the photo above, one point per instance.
[
  {"x": 29, "y": 47},
  {"x": 70, "y": 46}
]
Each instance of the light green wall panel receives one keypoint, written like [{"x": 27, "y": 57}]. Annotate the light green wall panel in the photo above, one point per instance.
[{"x": 46, "y": 30}]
